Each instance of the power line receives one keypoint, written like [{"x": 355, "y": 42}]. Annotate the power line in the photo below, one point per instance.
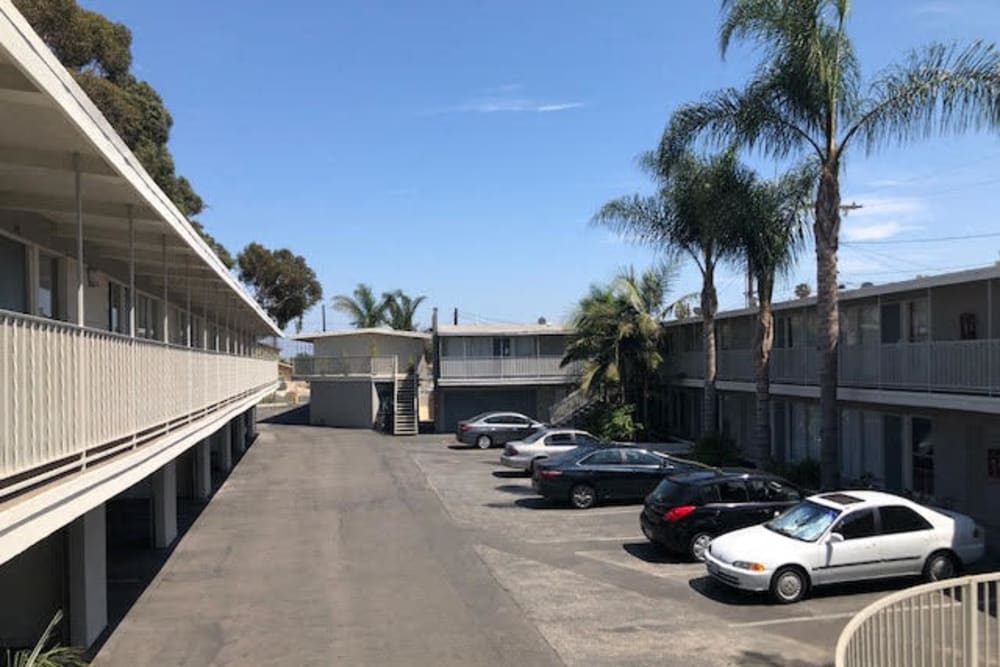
[
  {"x": 934, "y": 269},
  {"x": 936, "y": 239}
]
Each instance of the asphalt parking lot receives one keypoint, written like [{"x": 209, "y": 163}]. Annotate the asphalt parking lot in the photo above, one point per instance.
[{"x": 600, "y": 594}]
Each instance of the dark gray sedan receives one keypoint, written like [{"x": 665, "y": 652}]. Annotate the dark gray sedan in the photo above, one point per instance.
[{"x": 495, "y": 428}]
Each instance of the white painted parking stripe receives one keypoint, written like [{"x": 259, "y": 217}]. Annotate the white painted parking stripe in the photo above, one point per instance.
[
  {"x": 794, "y": 619},
  {"x": 570, "y": 540}
]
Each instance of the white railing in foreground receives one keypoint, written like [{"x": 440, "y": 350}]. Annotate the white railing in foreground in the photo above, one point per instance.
[
  {"x": 952, "y": 622},
  {"x": 66, "y": 390}
]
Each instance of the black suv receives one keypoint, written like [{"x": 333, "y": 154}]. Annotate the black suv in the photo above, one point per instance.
[{"x": 685, "y": 511}]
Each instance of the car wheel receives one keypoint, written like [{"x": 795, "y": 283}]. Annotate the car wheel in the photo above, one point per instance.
[
  {"x": 788, "y": 585},
  {"x": 698, "y": 546},
  {"x": 484, "y": 442},
  {"x": 940, "y": 565},
  {"x": 583, "y": 496}
]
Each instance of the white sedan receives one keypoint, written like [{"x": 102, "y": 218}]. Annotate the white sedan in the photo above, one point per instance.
[
  {"x": 523, "y": 454},
  {"x": 845, "y": 536}
]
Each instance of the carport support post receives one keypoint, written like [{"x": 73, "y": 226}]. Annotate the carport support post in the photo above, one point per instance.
[
  {"x": 165, "y": 506},
  {"x": 241, "y": 433},
  {"x": 226, "y": 448},
  {"x": 203, "y": 469},
  {"x": 88, "y": 577}
]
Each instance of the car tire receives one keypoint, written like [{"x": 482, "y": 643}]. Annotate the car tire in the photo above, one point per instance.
[
  {"x": 583, "y": 496},
  {"x": 940, "y": 565},
  {"x": 484, "y": 442},
  {"x": 698, "y": 545},
  {"x": 789, "y": 584}
]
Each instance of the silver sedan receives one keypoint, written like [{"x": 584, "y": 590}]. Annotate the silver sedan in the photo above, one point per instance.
[{"x": 523, "y": 454}]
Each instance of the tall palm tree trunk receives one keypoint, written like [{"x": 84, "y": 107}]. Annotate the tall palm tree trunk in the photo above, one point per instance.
[
  {"x": 827, "y": 231},
  {"x": 709, "y": 304},
  {"x": 763, "y": 341}
]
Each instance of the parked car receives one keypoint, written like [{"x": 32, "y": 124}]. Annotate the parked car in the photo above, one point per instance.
[
  {"x": 544, "y": 444},
  {"x": 495, "y": 428},
  {"x": 845, "y": 536},
  {"x": 684, "y": 512},
  {"x": 586, "y": 476}
]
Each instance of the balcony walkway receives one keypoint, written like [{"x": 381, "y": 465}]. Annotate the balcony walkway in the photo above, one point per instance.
[{"x": 324, "y": 547}]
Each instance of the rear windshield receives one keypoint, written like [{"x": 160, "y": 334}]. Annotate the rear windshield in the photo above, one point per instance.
[
  {"x": 535, "y": 436},
  {"x": 668, "y": 492}
]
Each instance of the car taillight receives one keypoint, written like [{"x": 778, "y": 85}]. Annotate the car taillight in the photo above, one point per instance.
[
  {"x": 549, "y": 474},
  {"x": 678, "y": 513},
  {"x": 511, "y": 451},
  {"x": 464, "y": 427}
]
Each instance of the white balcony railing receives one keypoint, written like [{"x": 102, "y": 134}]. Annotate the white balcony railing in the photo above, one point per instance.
[
  {"x": 539, "y": 367},
  {"x": 947, "y": 623},
  {"x": 70, "y": 396},
  {"x": 946, "y": 366},
  {"x": 347, "y": 367}
]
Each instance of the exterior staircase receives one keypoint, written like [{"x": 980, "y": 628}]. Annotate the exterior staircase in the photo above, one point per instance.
[
  {"x": 405, "y": 409},
  {"x": 571, "y": 408}
]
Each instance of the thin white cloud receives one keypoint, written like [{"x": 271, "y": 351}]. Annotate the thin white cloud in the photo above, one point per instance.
[
  {"x": 883, "y": 217},
  {"x": 507, "y": 98}
]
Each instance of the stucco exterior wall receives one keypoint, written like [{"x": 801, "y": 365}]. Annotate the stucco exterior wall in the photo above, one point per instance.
[
  {"x": 343, "y": 403},
  {"x": 371, "y": 345}
]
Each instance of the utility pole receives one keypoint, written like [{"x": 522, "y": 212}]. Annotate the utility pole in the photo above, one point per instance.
[
  {"x": 324, "y": 316},
  {"x": 853, "y": 206},
  {"x": 455, "y": 318}
]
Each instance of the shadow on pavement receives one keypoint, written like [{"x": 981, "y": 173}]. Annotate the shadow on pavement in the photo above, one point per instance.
[
  {"x": 516, "y": 489},
  {"x": 757, "y": 659},
  {"x": 719, "y": 592},
  {"x": 293, "y": 416},
  {"x": 510, "y": 474},
  {"x": 652, "y": 553}
]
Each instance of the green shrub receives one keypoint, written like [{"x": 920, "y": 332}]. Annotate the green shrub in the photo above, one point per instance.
[
  {"x": 613, "y": 422},
  {"x": 805, "y": 473},
  {"x": 716, "y": 450}
]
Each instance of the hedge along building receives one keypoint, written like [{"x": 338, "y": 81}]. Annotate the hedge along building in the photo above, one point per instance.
[
  {"x": 919, "y": 387},
  {"x": 127, "y": 360}
]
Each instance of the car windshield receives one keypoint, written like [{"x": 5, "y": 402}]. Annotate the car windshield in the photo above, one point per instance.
[{"x": 806, "y": 521}]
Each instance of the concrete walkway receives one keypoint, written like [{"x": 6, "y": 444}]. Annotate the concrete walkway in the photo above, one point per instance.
[{"x": 325, "y": 547}]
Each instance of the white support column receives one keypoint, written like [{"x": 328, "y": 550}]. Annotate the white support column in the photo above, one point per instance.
[
  {"x": 86, "y": 561},
  {"x": 80, "y": 319},
  {"x": 166, "y": 302},
  {"x": 187, "y": 307},
  {"x": 203, "y": 469},
  {"x": 165, "y": 506},
  {"x": 226, "y": 448},
  {"x": 131, "y": 273}
]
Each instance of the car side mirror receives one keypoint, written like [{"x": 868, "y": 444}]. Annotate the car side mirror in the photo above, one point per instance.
[{"x": 835, "y": 537}]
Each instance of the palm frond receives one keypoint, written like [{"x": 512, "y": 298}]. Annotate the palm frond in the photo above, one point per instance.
[{"x": 940, "y": 89}]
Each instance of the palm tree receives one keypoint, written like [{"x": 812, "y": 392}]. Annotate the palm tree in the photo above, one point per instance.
[
  {"x": 807, "y": 95},
  {"x": 400, "y": 310},
  {"x": 769, "y": 236},
  {"x": 365, "y": 311},
  {"x": 697, "y": 198},
  {"x": 617, "y": 333}
]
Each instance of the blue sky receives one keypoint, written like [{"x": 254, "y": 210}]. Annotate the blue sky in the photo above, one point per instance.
[{"x": 458, "y": 149}]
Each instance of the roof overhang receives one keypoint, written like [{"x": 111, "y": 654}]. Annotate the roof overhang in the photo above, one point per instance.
[{"x": 50, "y": 131}]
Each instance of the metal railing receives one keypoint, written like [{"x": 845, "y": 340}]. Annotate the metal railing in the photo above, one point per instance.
[
  {"x": 568, "y": 406},
  {"x": 508, "y": 367},
  {"x": 964, "y": 366},
  {"x": 948, "y": 623},
  {"x": 372, "y": 367},
  {"x": 67, "y": 390}
]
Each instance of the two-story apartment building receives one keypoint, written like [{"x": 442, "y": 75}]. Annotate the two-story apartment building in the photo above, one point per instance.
[
  {"x": 360, "y": 376},
  {"x": 515, "y": 367},
  {"x": 919, "y": 386},
  {"x": 127, "y": 350}
]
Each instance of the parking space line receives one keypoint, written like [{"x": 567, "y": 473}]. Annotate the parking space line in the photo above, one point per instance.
[
  {"x": 570, "y": 540},
  {"x": 682, "y": 570},
  {"x": 794, "y": 619}
]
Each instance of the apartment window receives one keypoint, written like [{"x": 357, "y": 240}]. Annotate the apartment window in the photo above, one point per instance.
[
  {"x": 118, "y": 300},
  {"x": 452, "y": 347},
  {"x": 48, "y": 285},
  {"x": 13, "y": 274},
  {"x": 891, "y": 330},
  {"x": 922, "y": 451},
  {"x": 919, "y": 321},
  {"x": 551, "y": 346},
  {"x": 148, "y": 322},
  {"x": 525, "y": 346},
  {"x": 501, "y": 346}
]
